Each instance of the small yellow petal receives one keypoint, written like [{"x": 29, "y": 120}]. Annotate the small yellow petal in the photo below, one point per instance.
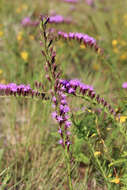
[
  {"x": 123, "y": 57},
  {"x": 1, "y": 71},
  {"x": 93, "y": 135},
  {"x": 31, "y": 37},
  {"x": 1, "y": 33},
  {"x": 116, "y": 180},
  {"x": 109, "y": 175},
  {"x": 82, "y": 46},
  {"x": 19, "y": 36},
  {"x": 97, "y": 153},
  {"x": 108, "y": 129},
  {"x": 24, "y": 55},
  {"x": 123, "y": 119},
  {"x": 3, "y": 81},
  {"x": 114, "y": 42},
  {"x": 18, "y": 10},
  {"x": 125, "y": 17},
  {"x": 24, "y": 6}
]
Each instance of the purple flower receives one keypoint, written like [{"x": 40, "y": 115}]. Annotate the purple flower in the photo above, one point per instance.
[
  {"x": 26, "y": 21},
  {"x": 61, "y": 108},
  {"x": 71, "y": 91},
  {"x": 59, "y": 19},
  {"x": 54, "y": 99},
  {"x": 68, "y": 124},
  {"x": 56, "y": 19},
  {"x": 68, "y": 133},
  {"x": 66, "y": 117},
  {"x": 63, "y": 101},
  {"x": 59, "y": 119},
  {"x": 71, "y": 35},
  {"x": 60, "y": 141},
  {"x": 66, "y": 109},
  {"x": 60, "y": 131},
  {"x": 124, "y": 85},
  {"x": 54, "y": 115},
  {"x": 74, "y": 83}
]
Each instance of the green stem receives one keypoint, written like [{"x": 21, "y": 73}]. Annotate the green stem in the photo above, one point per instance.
[
  {"x": 67, "y": 160},
  {"x": 99, "y": 165}
]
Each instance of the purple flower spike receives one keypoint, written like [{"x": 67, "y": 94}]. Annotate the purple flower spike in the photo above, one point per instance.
[{"x": 80, "y": 37}]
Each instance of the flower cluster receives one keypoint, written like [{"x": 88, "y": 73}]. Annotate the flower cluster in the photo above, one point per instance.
[
  {"x": 80, "y": 37},
  {"x": 28, "y": 22},
  {"x": 24, "y": 90},
  {"x": 76, "y": 87},
  {"x": 59, "y": 19},
  {"x": 61, "y": 115}
]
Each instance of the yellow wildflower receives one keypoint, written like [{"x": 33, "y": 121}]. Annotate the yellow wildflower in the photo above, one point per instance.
[
  {"x": 24, "y": 55},
  {"x": 82, "y": 46},
  {"x": 98, "y": 153},
  {"x": 1, "y": 33},
  {"x": 123, "y": 119},
  {"x": 123, "y": 57},
  {"x": 1, "y": 71},
  {"x": 19, "y": 36},
  {"x": 93, "y": 135},
  {"x": 24, "y": 6},
  {"x": 108, "y": 129},
  {"x": 116, "y": 180},
  {"x": 18, "y": 10},
  {"x": 109, "y": 175},
  {"x": 114, "y": 42},
  {"x": 3, "y": 81},
  {"x": 125, "y": 17},
  {"x": 31, "y": 37}
]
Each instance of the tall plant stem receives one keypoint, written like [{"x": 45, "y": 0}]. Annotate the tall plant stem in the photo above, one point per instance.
[{"x": 67, "y": 161}]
